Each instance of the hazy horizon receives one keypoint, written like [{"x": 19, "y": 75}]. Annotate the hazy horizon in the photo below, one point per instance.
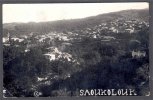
[{"x": 25, "y": 13}]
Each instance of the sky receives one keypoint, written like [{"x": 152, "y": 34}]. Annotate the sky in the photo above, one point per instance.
[{"x": 62, "y": 11}]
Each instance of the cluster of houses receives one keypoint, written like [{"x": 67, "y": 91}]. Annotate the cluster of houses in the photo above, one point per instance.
[
  {"x": 105, "y": 28},
  {"x": 115, "y": 26},
  {"x": 6, "y": 40},
  {"x": 55, "y": 54},
  {"x": 53, "y": 35}
]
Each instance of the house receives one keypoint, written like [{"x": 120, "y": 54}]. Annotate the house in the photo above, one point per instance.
[
  {"x": 26, "y": 50},
  {"x": 94, "y": 36},
  {"x": 17, "y": 39},
  {"x": 42, "y": 78},
  {"x": 130, "y": 30},
  {"x": 50, "y": 56},
  {"x": 109, "y": 37},
  {"x": 7, "y": 38}
]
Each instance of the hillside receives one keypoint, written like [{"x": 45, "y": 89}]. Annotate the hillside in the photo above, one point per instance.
[{"x": 69, "y": 25}]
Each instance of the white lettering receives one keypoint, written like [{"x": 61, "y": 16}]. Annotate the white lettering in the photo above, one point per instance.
[{"x": 81, "y": 92}]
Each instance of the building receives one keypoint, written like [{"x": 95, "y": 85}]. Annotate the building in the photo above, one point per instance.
[
  {"x": 138, "y": 54},
  {"x": 7, "y": 38},
  {"x": 50, "y": 56}
]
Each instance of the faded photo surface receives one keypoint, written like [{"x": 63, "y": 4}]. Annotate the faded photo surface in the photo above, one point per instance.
[{"x": 76, "y": 49}]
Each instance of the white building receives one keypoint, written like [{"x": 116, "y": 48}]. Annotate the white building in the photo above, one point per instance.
[
  {"x": 50, "y": 56},
  {"x": 130, "y": 30},
  {"x": 138, "y": 54},
  {"x": 17, "y": 39},
  {"x": 5, "y": 39},
  {"x": 42, "y": 79}
]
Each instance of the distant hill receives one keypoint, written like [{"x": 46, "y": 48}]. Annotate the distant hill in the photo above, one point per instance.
[{"x": 74, "y": 24}]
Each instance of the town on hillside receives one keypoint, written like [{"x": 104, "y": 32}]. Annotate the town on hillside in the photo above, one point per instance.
[{"x": 105, "y": 55}]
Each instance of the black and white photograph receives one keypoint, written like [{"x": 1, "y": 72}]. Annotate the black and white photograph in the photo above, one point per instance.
[{"x": 75, "y": 49}]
